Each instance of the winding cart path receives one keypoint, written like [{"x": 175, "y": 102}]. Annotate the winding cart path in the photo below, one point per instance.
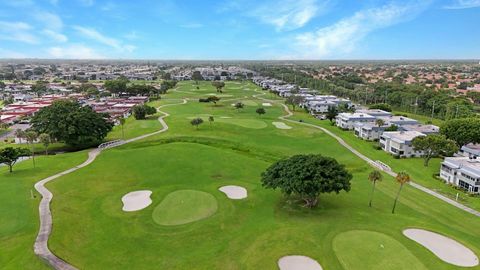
[{"x": 41, "y": 243}]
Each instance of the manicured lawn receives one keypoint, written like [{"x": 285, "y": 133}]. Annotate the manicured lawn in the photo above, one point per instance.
[
  {"x": 184, "y": 206},
  {"x": 247, "y": 234},
  {"x": 92, "y": 232},
  {"x": 371, "y": 250},
  {"x": 19, "y": 221}
]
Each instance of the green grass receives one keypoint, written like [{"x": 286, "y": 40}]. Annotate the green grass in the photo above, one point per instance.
[
  {"x": 374, "y": 251},
  {"x": 92, "y": 232},
  {"x": 184, "y": 206},
  {"x": 19, "y": 220},
  {"x": 413, "y": 166}
]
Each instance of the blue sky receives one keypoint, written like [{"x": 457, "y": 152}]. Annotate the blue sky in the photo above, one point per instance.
[{"x": 240, "y": 29}]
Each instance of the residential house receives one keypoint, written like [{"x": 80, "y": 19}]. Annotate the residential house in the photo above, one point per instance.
[
  {"x": 348, "y": 120},
  {"x": 463, "y": 172},
  {"x": 399, "y": 143}
]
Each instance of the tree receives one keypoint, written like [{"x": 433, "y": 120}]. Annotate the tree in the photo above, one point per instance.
[
  {"x": 474, "y": 96},
  {"x": 116, "y": 86},
  {"x": 374, "y": 177},
  {"x": 260, "y": 111},
  {"x": 294, "y": 101},
  {"x": 379, "y": 123},
  {"x": 196, "y": 122},
  {"x": 462, "y": 131},
  {"x": 31, "y": 137},
  {"x": 239, "y": 105},
  {"x": 40, "y": 88},
  {"x": 307, "y": 176},
  {"x": 401, "y": 178},
  {"x": 10, "y": 155},
  {"x": 213, "y": 99},
  {"x": 197, "y": 76},
  {"x": 332, "y": 113},
  {"x": 218, "y": 85},
  {"x": 70, "y": 122},
  {"x": 434, "y": 145},
  {"x": 122, "y": 123},
  {"x": 20, "y": 134},
  {"x": 45, "y": 139},
  {"x": 141, "y": 111},
  {"x": 211, "y": 119},
  {"x": 381, "y": 106}
]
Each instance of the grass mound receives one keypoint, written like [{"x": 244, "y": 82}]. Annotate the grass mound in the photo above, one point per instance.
[
  {"x": 359, "y": 249},
  {"x": 184, "y": 206}
]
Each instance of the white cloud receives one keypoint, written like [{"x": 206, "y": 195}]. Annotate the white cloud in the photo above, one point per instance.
[
  {"x": 17, "y": 31},
  {"x": 100, "y": 38},
  {"x": 192, "y": 25},
  {"x": 55, "y": 35},
  {"x": 50, "y": 20},
  {"x": 75, "y": 51},
  {"x": 342, "y": 37},
  {"x": 287, "y": 14},
  {"x": 463, "y": 4}
]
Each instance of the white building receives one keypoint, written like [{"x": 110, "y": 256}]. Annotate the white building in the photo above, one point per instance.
[
  {"x": 375, "y": 112},
  {"x": 369, "y": 131},
  {"x": 425, "y": 129},
  {"x": 399, "y": 143},
  {"x": 470, "y": 150},
  {"x": 463, "y": 172},
  {"x": 348, "y": 120},
  {"x": 398, "y": 120}
]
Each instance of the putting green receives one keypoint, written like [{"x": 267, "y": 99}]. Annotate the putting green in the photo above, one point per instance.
[
  {"x": 249, "y": 103},
  {"x": 372, "y": 250},
  {"x": 184, "y": 206}
]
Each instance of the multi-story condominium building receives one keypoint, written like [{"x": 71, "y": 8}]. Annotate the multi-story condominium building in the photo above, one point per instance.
[
  {"x": 471, "y": 150},
  {"x": 398, "y": 120},
  {"x": 399, "y": 143},
  {"x": 463, "y": 172},
  {"x": 369, "y": 131},
  {"x": 425, "y": 129},
  {"x": 348, "y": 120},
  {"x": 375, "y": 112}
]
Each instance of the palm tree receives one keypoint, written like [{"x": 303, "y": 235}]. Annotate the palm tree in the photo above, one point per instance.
[
  {"x": 402, "y": 178},
  {"x": 375, "y": 176},
  {"x": 31, "y": 137},
  {"x": 44, "y": 138},
  {"x": 379, "y": 123},
  {"x": 211, "y": 119},
  {"x": 122, "y": 122},
  {"x": 20, "y": 134}
]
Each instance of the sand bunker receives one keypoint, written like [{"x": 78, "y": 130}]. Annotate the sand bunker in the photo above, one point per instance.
[
  {"x": 267, "y": 104},
  {"x": 234, "y": 192},
  {"x": 296, "y": 262},
  {"x": 447, "y": 249},
  {"x": 281, "y": 125},
  {"x": 136, "y": 200}
]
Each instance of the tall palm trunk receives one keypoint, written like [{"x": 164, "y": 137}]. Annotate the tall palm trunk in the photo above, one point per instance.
[
  {"x": 33, "y": 155},
  {"x": 396, "y": 199},
  {"x": 371, "y": 195}
]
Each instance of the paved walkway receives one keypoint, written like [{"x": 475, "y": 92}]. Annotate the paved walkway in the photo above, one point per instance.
[
  {"x": 369, "y": 161},
  {"x": 41, "y": 243}
]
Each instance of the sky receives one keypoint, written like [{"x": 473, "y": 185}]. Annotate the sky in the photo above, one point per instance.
[{"x": 240, "y": 29}]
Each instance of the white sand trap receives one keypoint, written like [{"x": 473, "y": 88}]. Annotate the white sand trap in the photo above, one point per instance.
[
  {"x": 268, "y": 104},
  {"x": 297, "y": 262},
  {"x": 225, "y": 117},
  {"x": 234, "y": 192},
  {"x": 281, "y": 125},
  {"x": 136, "y": 200},
  {"x": 447, "y": 249}
]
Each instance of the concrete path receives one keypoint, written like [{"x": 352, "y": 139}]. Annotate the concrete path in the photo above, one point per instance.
[
  {"x": 372, "y": 163},
  {"x": 41, "y": 243}
]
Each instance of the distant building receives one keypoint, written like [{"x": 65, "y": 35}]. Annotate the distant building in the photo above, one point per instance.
[
  {"x": 425, "y": 129},
  {"x": 463, "y": 172},
  {"x": 348, "y": 120},
  {"x": 399, "y": 143},
  {"x": 470, "y": 150}
]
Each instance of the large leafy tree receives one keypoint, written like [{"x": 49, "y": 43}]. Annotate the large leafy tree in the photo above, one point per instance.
[
  {"x": 307, "y": 176},
  {"x": 462, "y": 131},
  {"x": 218, "y": 85},
  {"x": 196, "y": 122},
  {"x": 294, "y": 101},
  {"x": 332, "y": 113},
  {"x": 116, "y": 86},
  {"x": 141, "y": 111},
  {"x": 10, "y": 155},
  {"x": 434, "y": 145},
  {"x": 197, "y": 76},
  {"x": 68, "y": 121}
]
